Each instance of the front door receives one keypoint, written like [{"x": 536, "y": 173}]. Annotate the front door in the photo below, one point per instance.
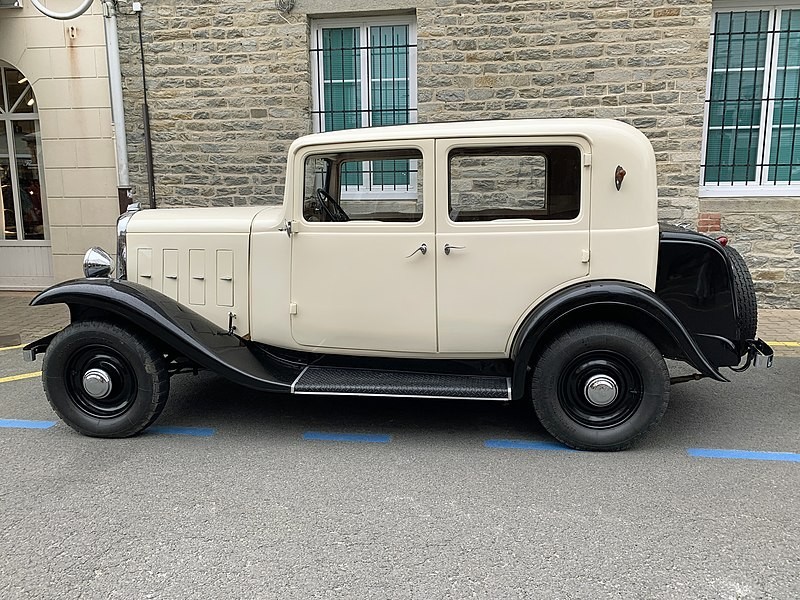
[
  {"x": 363, "y": 266},
  {"x": 512, "y": 226}
]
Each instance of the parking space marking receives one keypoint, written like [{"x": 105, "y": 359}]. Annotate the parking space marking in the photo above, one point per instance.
[
  {"x": 22, "y": 376},
  {"x": 4, "y": 348},
  {"x": 789, "y": 344},
  {"x": 743, "y": 454},
  {"x": 172, "y": 430},
  {"x": 369, "y": 438},
  {"x": 527, "y": 445},
  {"x": 25, "y": 424}
]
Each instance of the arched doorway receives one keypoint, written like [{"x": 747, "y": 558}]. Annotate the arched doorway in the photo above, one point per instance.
[{"x": 25, "y": 254}]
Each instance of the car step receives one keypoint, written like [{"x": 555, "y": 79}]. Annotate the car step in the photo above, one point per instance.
[{"x": 373, "y": 382}]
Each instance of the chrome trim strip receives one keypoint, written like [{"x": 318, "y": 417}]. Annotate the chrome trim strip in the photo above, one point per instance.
[
  {"x": 294, "y": 383},
  {"x": 122, "y": 241},
  {"x": 508, "y": 387},
  {"x": 396, "y": 396}
]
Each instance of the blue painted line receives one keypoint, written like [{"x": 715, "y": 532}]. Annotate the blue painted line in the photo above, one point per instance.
[
  {"x": 23, "y": 424},
  {"x": 527, "y": 445},
  {"x": 170, "y": 430},
  {"x": 743, "y": 454},
  {"x": 369, "y": 438}
]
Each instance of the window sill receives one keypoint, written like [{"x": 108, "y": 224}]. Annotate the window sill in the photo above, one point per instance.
[{"x": 749, "y": 191}]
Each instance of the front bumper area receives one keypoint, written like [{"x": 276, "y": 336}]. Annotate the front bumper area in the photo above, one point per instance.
[{"x": 33, "y": 349}]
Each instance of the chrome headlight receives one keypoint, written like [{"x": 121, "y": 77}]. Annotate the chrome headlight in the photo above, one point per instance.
[
  {"x": 122, "y": 245},
  {"x": 97, "y": 263}
]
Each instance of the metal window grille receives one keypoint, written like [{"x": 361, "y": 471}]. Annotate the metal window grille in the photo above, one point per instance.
[
  {"x": 364, "y": 75},
  {"x": 753, "y": 129}
]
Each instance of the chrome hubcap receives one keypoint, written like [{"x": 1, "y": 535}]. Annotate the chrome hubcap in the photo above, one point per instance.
[
  {"x": 97, "y": 383},
  {"x": 601, "y": 390}
]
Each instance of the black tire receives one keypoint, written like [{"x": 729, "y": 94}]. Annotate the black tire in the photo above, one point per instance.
[
  {"x": 595, "y": 352},
  {"x": 136, "y": 370},
  {"x": 745, "y": 294}
]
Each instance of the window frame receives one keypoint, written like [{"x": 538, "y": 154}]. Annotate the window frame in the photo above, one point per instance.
[
  {"x": 336, "y": 158},
  {"x": 521, "y": 148},
  {"x": 7, "y": 118},
  {"x": 365, "y": 83},
  {"x": 767, "y": 102}
]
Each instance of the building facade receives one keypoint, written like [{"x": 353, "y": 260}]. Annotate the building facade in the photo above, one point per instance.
[
  {"x": 57, "y": 161},
  {"x": 714, "y": 86}
]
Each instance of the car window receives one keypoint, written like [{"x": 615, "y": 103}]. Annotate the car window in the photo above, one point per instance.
[
  {"x": 541, "y": 182},
  {"x": 382, "y": 185}
]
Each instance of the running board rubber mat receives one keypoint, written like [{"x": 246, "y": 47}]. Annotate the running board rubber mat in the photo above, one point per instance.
[{"x": 371, "y": 382}]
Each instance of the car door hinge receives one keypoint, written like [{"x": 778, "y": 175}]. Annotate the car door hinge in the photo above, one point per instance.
[
  {"x": 287, "y": 227},
  {"x": 587, "y": 159},
  {"x": 585, "y": 254},
  {"x": 292, "y": 308}
]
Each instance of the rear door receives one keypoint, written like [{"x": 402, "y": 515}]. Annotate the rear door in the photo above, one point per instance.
[{"x": 512, "y": 226}]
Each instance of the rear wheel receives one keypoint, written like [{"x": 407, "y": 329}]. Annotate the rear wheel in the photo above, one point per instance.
[
  {"x": 104, "y": 380},
  {"x": 600, "y": 386}
]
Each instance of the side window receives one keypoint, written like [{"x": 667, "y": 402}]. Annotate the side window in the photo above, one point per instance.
[
  {"x": 541, "y": 183},
  {"x": 381, "y": 185}
]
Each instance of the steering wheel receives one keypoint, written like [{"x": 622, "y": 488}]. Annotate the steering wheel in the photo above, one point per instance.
[{"x": 330, "y": 207}]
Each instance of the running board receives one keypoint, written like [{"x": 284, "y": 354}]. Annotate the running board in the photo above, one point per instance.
[{"x": 342, "y": 381}]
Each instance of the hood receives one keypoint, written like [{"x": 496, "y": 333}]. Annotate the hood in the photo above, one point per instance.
[{"x": 236, "y": 219}]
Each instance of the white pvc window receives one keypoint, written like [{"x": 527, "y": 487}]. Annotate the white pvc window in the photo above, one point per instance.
[
  {"x": 365, "y": 75},
  {"x": 752, "y": 137}
]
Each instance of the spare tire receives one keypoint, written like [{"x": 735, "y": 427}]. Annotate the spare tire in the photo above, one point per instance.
[{"x": 745, "y": 294}]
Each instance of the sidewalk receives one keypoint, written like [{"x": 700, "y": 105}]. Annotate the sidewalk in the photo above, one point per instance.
[{"x": 20, "y": 323}]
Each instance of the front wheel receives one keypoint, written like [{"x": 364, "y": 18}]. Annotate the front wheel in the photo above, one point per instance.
[
  {"x": 104, "y": 380},
  {"x": 600, "y": 386}
]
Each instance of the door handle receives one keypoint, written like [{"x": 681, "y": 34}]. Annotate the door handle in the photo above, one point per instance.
[
  {"x": 448, "y": 247},
  {"x": 423, "y": 249}
]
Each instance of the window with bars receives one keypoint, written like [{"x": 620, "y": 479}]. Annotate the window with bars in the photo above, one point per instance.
[
  {"x": 364, "y": 75},
  {"x": 752, "y": 120}
]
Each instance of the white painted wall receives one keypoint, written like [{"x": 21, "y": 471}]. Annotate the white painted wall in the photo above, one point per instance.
[{"x": 65, "y": 62}]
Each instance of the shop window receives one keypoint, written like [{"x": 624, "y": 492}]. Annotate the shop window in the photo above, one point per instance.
[{"x": 21, "y": 193}]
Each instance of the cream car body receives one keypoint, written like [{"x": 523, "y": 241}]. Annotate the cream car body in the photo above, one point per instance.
[{"x": 349, "y": 288}]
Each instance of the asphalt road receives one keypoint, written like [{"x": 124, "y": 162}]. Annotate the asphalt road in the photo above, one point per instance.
[{"x": 253, "y": 506}]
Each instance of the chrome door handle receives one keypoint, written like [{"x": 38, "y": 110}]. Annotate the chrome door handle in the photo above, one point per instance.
[
  {"x": 448, "y": 247},
  {"x": 423, "y": 249}
]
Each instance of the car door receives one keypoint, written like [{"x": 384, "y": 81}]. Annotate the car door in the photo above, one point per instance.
[
  {"x": 512, "y": 227},
  {"x": 362, "y": 276}
]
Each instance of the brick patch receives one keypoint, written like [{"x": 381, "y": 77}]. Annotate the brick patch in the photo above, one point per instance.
[{"x": 709, "y": 222}]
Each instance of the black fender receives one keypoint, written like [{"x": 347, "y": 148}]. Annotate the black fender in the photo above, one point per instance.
[
  {"x": 177, "y": 327},
  {"x": 620, "y": 301}
]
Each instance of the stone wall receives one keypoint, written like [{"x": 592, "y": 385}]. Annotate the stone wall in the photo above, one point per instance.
[
  {"x": 229, "y": 86},
  {"x": 767, "y": 232},
  {"x": 229, "y": 83},
  {"x": 228, "y": 89},
  {"x": 640, "y": 61}
]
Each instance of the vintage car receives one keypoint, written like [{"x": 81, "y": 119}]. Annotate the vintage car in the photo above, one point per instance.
[{"x": 494, "y": 260}]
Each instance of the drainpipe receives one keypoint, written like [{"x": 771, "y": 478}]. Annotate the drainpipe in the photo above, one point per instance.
[
  {"x": 117, "y": 109},
  {"x": 115, "y": 83}
]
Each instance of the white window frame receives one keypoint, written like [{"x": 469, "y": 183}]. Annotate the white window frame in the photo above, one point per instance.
[
  {"x": 318, "y": 101},
  {"x": 752, "y": 188},
  {"x": 6, "y": 123}
]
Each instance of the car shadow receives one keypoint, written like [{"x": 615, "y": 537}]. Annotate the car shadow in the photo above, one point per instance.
[{"x": 208, "y": 400}]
